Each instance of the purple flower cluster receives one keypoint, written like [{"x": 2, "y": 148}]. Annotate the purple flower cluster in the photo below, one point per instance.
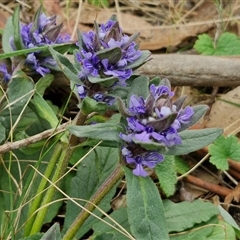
[
  {"x": 43, "y": 31},
  {"x": 107, "y": 36},
  {"x": 156, "y": 120},
  {"x": 106, "y": 52}
]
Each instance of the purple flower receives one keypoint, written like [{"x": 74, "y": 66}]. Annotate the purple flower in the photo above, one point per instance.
[
  {"x": 155, "y": 121},
  {"x": 148, "y": 159},
  {"x": 109, "y": 100},
  {"x": 6, "y": 75},
  {"x": 43, "y": 31},
  {"x": 106, "y": 53}
]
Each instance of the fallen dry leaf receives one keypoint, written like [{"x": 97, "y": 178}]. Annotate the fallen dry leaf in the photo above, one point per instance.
[
  {"x": 224, "y": 114},
  {"x": 174, "y": 35}
]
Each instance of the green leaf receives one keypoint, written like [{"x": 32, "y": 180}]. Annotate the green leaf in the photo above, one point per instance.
[
  {"x": 36, "y": 236},
  {"x": 140, "y": 61},
  {"x": 199, "y": 111},
  {"x": 225, "y": 231},
  {"x": 139, "y": 87},
  {"x": 100, "y": 131},
  {"x": 193, "y": 140},
  {"x": 91, "y": 173},
  {"x": 222, "y": 149},
  {"x": 2, "y": 133},
  {"x": 43, "y": 83},
  {"x": 43, "y": 110},
  {"x": 89, "y": 105},
  {"x": 53, "y": 233},
  {"x": 180, "y": 165},
  {"x": 184, "y": 215},
  {"x": 227, "y": 44},
  {"x": 66, "y": 66},
  {"x": 145, "y": 209},
  {"x": 199, "y": 231},
  {"x": 112, "y": 54},
  {"x": 44, "y": 51},
  {"x": 204, "y": 45},
  {"x": 17, "y": 32},
  {"x": 120, "y": 216},
  {"x": 167, "y": 175},
  {"x": 104, "y": 236},
  {"x": 108, "y": 81},
  {"x": 7, "y": 34},
  {"x": 229, "y": 219}
]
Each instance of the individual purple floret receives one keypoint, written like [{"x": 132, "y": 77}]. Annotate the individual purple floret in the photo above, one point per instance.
[
  {"x": 6, "y": 75},
  {"x": 155, "y": 120},
  {"x": 43, "y": 31}
]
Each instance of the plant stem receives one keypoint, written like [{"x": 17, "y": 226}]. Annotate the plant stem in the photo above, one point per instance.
[
  {"x": 65, "y": 152},
  {"x": 61, "y": 167},
  {"x": 39, "y": 194},
  {"x": 95, "y": 200}
]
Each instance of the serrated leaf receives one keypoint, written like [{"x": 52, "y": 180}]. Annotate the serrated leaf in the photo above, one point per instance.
[
  {"x": 92, "y": 172},
  {"x": 99, "y": 131},
  {"x": 204, "y": 45},
  {"x": 167, "y": 176},
  {"x": 199, "y": 231},
  {"x": 193, "y": 140},
  {"x": 184, "y": 215},
  {"x": 222, "y": 149},
  {"x": 227, "y": 44},
  {"x": 145, "y": 209},
  {"x": 180, "y": 165}
]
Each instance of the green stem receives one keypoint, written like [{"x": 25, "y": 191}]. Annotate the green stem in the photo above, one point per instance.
[
  {"x": 39, "y": 194},
  {"x": 59, "y": 171},
  {"x": 66, "y": 154},
  {"x": 95, "y": 200}
]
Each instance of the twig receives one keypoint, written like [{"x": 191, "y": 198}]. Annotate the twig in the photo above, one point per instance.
[
  {"x": 219, "y": 190},
  {"x": 194, "y": 70},
  {"x": 9, "y": 146}
]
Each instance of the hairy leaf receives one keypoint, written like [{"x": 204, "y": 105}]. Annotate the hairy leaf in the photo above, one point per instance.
[
  {"x": 193, "y": 140},
  {"x": 100, "y": 131},
  {"x": 184, "y": 215},
  {"x": 167, "y": 175},
  {"x": 145, "y": 209},
  {"x": 91, "y": 173}
]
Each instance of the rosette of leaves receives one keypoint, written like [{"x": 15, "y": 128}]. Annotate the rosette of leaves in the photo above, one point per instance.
[{"x": 27, "y": 44}]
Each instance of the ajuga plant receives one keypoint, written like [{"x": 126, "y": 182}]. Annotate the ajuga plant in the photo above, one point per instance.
[{"x": 127, "y": 126}]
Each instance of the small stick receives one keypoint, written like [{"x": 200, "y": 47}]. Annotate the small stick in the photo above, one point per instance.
[
  {"x": 219, "y": 190},
  {"x": 9, "y": 146}
]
